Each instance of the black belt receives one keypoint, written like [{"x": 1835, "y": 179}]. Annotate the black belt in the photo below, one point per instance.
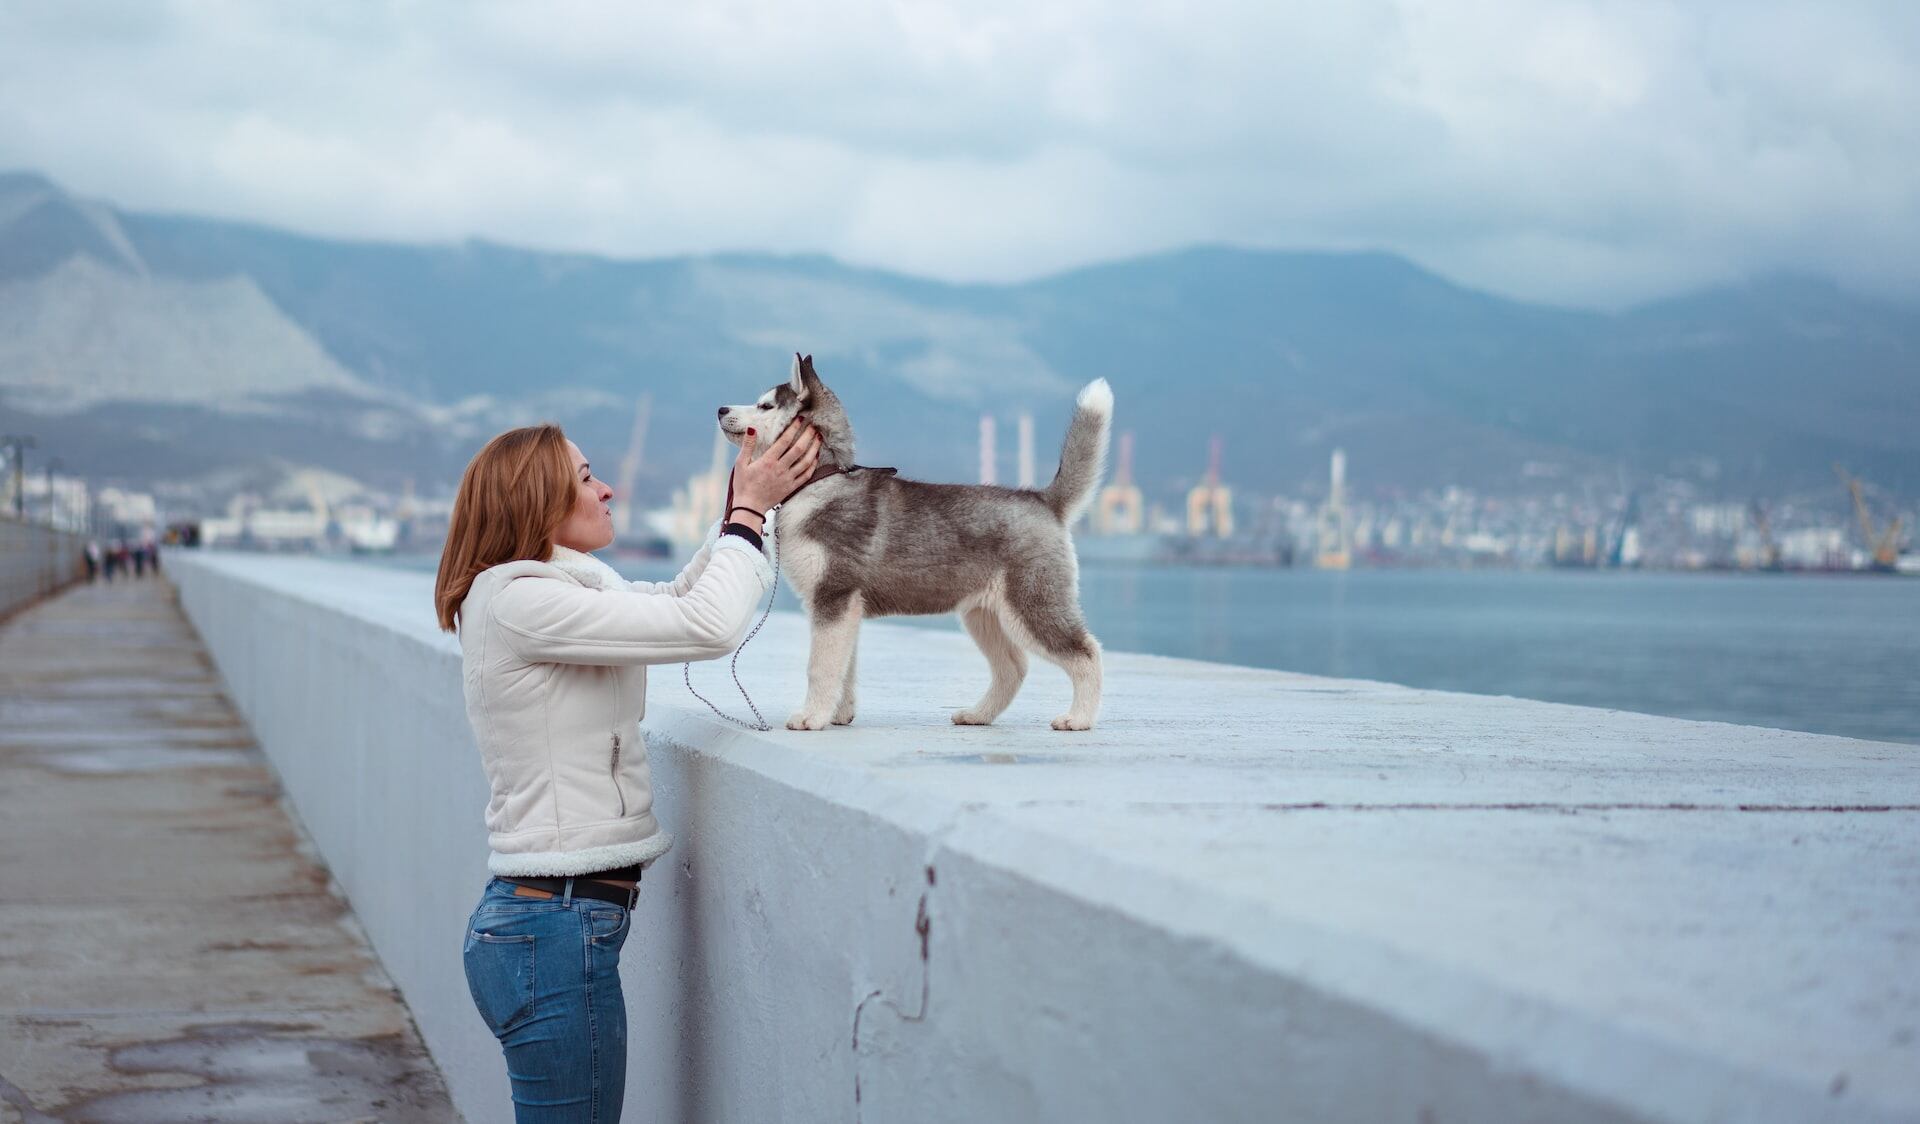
[{"x": 582, "y": 888}]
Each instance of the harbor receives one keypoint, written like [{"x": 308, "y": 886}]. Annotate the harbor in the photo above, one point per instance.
[{"x": 1662, "y": 525}]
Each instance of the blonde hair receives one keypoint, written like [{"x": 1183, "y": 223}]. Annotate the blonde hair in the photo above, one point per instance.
[{"x": 516, "y": 492}]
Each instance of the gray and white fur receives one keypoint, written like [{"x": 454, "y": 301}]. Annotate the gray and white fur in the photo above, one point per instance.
[{"x": 870, "y": 544}]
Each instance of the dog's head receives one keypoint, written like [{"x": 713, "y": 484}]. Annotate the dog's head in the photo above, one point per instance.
[{"x": 802, "y": 393}]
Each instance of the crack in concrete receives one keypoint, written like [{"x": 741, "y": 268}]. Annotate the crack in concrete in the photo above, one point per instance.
[
  {"x": 923, "y": 928},
  {"x": 922, "y": 925}
]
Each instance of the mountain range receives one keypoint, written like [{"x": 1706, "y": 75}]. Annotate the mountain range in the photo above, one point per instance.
[{"x": 166, "y": 347}]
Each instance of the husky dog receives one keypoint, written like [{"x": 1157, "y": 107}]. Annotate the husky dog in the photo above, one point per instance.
[{"x": 860, "y": 542}]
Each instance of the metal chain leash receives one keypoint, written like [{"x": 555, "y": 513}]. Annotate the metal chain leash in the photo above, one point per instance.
[{"x": 686, "y": 669}]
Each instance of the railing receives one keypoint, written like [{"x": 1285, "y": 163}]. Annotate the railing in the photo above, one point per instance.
[
  {"x": 35, "y": 562},
  {"x": 1246, "y": 895}
]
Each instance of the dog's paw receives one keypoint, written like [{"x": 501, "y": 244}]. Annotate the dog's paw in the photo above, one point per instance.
[
  {"x": 1069, "y": 722},
  {"x": 844, "y": 715},
  {"x": 806, "y": 720},
  {"x": 970, "y": 718}
]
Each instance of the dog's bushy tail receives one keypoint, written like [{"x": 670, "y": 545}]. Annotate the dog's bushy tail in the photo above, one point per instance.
[{"x": 1084, "y": 457}]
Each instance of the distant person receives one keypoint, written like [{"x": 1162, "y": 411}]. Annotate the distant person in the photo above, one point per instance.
[
  {"x": 139, "y": 554},
  {"x": 554, "y": 649},
  {"x": 92, "y": 555}
]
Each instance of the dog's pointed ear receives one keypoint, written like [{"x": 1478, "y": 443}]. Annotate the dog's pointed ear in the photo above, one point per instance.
[
  {"x": 806, "y": 370},
  {"x": 801, "y": 364}
]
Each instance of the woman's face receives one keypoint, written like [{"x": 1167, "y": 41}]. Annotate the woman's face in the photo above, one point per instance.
[{"x": 589, "y": 526}]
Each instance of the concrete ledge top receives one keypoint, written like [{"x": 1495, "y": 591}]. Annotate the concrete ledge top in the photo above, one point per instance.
[{"x": 1693, "y": 920}]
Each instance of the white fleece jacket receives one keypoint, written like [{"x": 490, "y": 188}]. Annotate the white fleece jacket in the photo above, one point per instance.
[{"x": 554, "y": 656}]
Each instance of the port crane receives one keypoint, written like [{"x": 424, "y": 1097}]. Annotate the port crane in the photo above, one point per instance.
[
  {"x": 1119, "y": 509},
  {"x": 1884, "y": 545},
  {"x": 1210, "y": 503},
  {"x": 1617, "y": 542},
  {"x": 630, "y": 467}
]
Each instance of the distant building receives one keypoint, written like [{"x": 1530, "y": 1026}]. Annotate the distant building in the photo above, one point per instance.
[
  {"x": 1334, "y": 534},
  {"x": 1719, "y": 520}
]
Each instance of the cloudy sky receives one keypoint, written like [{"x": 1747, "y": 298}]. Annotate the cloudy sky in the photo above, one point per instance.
[{"x": 1590, "y": 153}]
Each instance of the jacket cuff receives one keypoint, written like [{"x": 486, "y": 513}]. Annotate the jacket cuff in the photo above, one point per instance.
[{"x": 747, "y": 533}]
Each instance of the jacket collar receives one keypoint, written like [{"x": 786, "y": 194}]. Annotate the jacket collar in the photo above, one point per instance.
[{"x": 586, "y": 569}]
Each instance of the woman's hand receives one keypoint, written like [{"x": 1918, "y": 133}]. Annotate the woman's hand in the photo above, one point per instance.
[{"x": 762, "y": 483}]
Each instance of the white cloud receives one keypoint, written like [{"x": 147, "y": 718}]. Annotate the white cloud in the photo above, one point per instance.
[{"x": 1570, "y": 150}]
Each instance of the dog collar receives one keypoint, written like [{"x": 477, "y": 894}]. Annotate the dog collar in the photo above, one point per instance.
[{"x": 826, "y": 470}]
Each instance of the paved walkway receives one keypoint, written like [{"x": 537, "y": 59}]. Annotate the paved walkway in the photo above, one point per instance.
[{"x": 169, "y": 947}]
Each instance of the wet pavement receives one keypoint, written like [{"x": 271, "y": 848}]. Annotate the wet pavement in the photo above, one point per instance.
[{"x": 170, "y": 948}]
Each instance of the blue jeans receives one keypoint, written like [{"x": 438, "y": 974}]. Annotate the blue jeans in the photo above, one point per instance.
[{"x": 545, "y": 974}]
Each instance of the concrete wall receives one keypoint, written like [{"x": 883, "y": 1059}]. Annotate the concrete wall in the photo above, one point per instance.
[
  {"x": 1247, "y": 895},
  {"x": 34, "y": 561}
]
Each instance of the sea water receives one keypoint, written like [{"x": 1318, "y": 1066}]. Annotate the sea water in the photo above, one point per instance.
[{"x": 1829, "y": 654}]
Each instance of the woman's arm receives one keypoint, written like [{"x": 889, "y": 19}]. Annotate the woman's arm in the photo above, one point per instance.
[
  {"x": 548, "y": 620},
  {"x": 689, "y": 574}
]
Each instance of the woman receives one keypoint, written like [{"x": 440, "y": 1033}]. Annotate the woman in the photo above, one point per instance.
[{"x": 554, "y": 646}]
